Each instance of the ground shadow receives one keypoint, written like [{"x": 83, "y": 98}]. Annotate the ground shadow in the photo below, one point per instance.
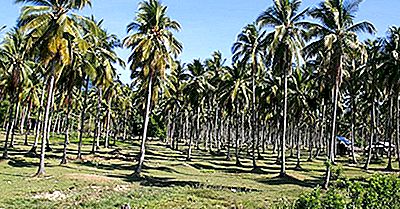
[{"x": 289, "y": 180}]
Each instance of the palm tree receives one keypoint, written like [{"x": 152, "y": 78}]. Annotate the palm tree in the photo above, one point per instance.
[
  {"x": 250, "y": 48},
  {"x": 335, "y": 32},
  {"x": 391, "y": 75},
  {"x": 153, "y": 47},
  {"x": 52, "y": 26},
  {"x": 15, "y": 50},
  {"x": 285, "y": 43},
  {"x": 235, "y": 94}
]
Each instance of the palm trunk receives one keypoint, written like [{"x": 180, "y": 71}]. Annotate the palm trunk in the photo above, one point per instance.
[
  {"x": 353, "y": 121},
  {"x": 24, "y": 114},
  {"x": 106, "y": 143},
  {"x": 189, "y": 151},
  {"x": 96, "y": 139},
  {"x": 14, "y": 122},
  {"x": 145, "y": 124},
  {"x": 283, "y": 143},
  {"x": 28, "y": 124},
  {"x": 38, "y": 124},
  {"x": 298, "y": 150},
  {"x": 41, "y": 170},
  {"x": 66, "y": 141},
  {"x": 237, "y": 135},
  {"x": 397, "y": 128},
  {"x": 372, "y": 135},
  {"x": 389, "y": 134},
  {"x": 228, "y": 153},
  {"x": 83, "y": 115},
  {"x": 331, "y": 158},
  {"x": 10, "y": 125}
]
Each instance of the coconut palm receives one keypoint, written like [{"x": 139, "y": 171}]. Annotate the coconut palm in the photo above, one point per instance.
[
  {"x": 15, "y": 50},
  {"x": 250, "y": 48},
  {"x": 153, "y": 47},
  {"x": 335, "y": 32},
  {"x": 52, "y": 26},
  {"x": 285, "y": 43}
]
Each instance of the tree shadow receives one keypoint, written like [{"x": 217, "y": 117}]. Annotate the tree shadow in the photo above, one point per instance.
[
  {"x": 171, "y": 182},
  {"x": 21, "y": 163},
  {"x": 258, "y": 170},
  {"x": 289, "y": 180},
  {"x": 102, "y": 166}
]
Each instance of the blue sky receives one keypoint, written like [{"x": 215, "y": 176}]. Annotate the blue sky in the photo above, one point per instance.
[{"x": 207, "y": 25}]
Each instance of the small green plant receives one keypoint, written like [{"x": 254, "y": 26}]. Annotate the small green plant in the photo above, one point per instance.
[
  {"x": 337, "y": 172},
  {"x": 310, "y": 200}
]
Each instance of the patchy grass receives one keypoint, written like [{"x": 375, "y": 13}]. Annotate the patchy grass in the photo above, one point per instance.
[{"x": 104, "y": 180}]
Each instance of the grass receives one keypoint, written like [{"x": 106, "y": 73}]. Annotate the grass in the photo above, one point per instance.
[{"x": 169, "y": 181}]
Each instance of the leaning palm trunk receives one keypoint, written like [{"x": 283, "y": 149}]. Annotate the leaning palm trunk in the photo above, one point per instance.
[
  {"x": 41, "y": 170},
  {"x": 83, "y": 114},
  {"x": 38, "y": 124},
  {"x": 14, "y": 122},
  {"x": 145, "y": 124},
  {"x": 9, "y": 127}
]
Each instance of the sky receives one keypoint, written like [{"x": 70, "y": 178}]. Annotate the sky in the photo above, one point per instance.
[{"x": 207, "y": 25}]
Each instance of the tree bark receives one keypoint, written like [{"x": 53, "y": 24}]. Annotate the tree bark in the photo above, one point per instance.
[
  {"x": 145, "y": 125},
  {"x": 83, "y": 115},
  {"x": 66, "y": 141},
  {"x": 41, "y": 170},
  {"x": 372, "y": 135},
  {"x": 331, "y": 158}
]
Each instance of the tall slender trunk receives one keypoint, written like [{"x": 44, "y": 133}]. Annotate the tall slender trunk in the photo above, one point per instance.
[
  {"x": 145, "y": 124},
  {"x": 283, "y": 143},
  {"x": 23, "y": 117},
  {"x": 389, "y": 133},
  {"x": 39, "y": 123},
  {"x": 298, "y": 150},
  {"x": 106, "y": 143},
  {"x": 397, "y": 127},
  {"x": 331, "y": 158},
  {"x": 66, "y": 141},
  {"x": 96, "y": 138},
  {"x": 28, "y": 124},
  {"x": 189, "y": 151},
  {"x": 125, "y": 122},
  {"x": 253, "y": 115},
  {"x": 41, "y": 170},
  {"x": 83, "y": 115},
  {"x": 353, "y": 121},
  {"x": 238, "y": 122},
  {"x": 322, "y": 130},
  {"x": 372, "y": 135},
  {"x": 10, "y": 125},
  {"x": 228, "y": 153},
  {"x": 14, "y": 122}
]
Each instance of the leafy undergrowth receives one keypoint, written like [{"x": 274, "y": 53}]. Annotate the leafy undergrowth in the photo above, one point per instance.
[{"x": 104, "y": 180}]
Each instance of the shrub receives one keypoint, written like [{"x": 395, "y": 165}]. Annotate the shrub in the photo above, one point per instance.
[{"x": 379, "y": 191}]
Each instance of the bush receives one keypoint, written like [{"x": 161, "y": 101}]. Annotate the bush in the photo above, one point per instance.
[
  {"x": 310, "y": 200},
  {"x": 379, "y": 191}
]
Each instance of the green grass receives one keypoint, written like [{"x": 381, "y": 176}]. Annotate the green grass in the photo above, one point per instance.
[{"x": 169, "y": 181}]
